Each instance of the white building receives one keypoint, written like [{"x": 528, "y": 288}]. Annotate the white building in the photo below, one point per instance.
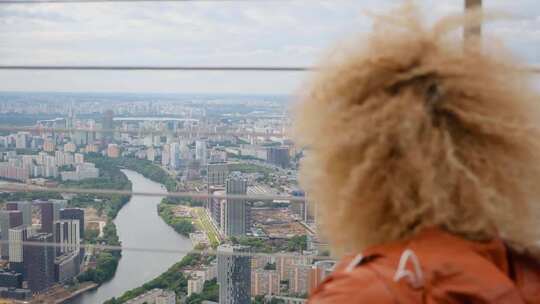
[
  {"x": 166, "y": 155},
  {"x": 174, "y": 155},
  {"x": 155, "y": 296},
  {"x": 67, "y": 235},
  {"x": 17, "y": 235},
  {"x": 70, "y": 147},
  {"x": 151, "y": 154},
  {"x": 21, "y": 140},
  {"x": 64, "y": 158},
  {"x": 79, "y": 158},
  {"x": 82, "y": 171},
  {"x": 195, "y": 285},
  {"x": 201, "y": 152}
]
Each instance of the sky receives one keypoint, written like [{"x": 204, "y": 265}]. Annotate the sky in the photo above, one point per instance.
[{"x": 235, "y": 33}]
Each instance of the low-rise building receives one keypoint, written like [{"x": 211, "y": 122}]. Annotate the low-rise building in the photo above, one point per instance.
[
  {"x": 264, "y": 282},
  {"x": 195, "y": 285},
  {"x": 15, "y": 293},
  {"x": 82, "y": 171},
  {"x": 11, "y": 279},
  {"x": 155, "y": 296},
  {"x": 66, "y": 266}
]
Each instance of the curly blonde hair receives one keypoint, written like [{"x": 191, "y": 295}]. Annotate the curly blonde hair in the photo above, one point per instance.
[{"x": 409, "y": 131}]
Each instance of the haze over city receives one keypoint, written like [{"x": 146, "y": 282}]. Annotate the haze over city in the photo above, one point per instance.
[
  {"x": 174, "y": 186},
  {"x": 230, "y": 33}
]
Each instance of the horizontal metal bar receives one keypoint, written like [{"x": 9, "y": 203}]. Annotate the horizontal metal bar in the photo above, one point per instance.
[
  {"x": 197, "y": 195},
  {"x": 112, "y": 1},
  {"x": 155, "y": 68},
  {"x": 88, "y": 246}
]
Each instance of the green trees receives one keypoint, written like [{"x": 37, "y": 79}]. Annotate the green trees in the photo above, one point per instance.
[
  {"x": 110, "y": 177},
  {"x": 180, "y": 225},
  {"x": 144, "y": 167},
  {"x": 173, "y": 279},
  {"x": 106, "y": 267},
  {"x": 28, "y": 196},
  {"x": 107, "y": 260},
  {"x": 210, "y": 293},
  {"x": 297, "y": 243},
  {"x": 184, "y": 201},
  {"x": 148, "y": 170}
]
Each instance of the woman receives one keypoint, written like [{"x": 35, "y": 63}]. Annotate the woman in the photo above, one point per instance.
[{"x": 425, "y": 169}]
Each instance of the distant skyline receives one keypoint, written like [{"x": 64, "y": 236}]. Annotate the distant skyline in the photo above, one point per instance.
[{"x": 230, "y": 33}]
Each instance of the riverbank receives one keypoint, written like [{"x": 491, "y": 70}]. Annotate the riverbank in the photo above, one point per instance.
[
  {"x": 103, "y": 263},
  {"x": 60, "y": 295},
  {"x": 184, "y": 216},
  {"x": 172, "y": 279},
  {"x": 139, "y": 226},
  {"x": 142, "y": 166},
  {"x": 111, "y": 177},
  {"x": 189, "y": 218},
  {"x": 179, "y": 217}
]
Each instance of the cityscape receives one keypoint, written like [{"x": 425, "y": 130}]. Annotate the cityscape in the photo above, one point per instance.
[{"x": 68, "y": 247}]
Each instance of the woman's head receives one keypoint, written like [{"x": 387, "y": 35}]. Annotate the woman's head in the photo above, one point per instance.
[{"x": 409, "y": 131}]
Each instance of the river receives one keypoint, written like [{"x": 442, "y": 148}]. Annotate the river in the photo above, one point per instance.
[{"x": 140, "y": 226}]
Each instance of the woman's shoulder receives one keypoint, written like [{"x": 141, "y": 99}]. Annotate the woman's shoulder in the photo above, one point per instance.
[
  {"x": 353, "y": 281},
  {"x": 525, "y": 272},
  {"x": 433, "y": 265}
]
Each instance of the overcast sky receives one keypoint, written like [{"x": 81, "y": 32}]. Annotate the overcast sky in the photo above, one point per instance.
[{"x": 277, "y": 33}]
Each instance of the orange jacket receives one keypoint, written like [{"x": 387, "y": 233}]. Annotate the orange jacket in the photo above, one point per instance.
[{"x": 433, "y": 267}]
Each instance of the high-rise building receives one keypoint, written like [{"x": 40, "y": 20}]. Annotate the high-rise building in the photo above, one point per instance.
[
  {"x": 25, "y": 208},
  {"x": 234, "y": 274},
  {"x": 47, "y": 216},
  {"x": 214, "y": 205},
  {"x": 58, "y": 204},
  {"x": 17, "y": 236},
  {"x": 74, "y": 214},
  {"x": 21, "y": 140},
  {"x": 166, "y": 155},
  {"x": 201, "y": 152},
  {"x": 278, "y": 156},
  {"x": 8, "y": 219},
  {"x": 39, "y": 262},
  {"x": 174, "y": 155},
  {"x": 236, "y": 212},
  {"x": 67, "y": 236},
  {"x": 50, "y": 212},
  {"x": 217, "y": 174},
  {"x": 310, "y": 211},
  {"x": 264, "y": 282},
  {"x": 108, "y": 126}
]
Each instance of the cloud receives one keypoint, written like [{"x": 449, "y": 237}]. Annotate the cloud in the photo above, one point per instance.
[{"x": 289, "y": 33}]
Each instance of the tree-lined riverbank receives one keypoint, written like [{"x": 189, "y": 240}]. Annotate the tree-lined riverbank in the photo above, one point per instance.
[{"x": 139, "y": 226}]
